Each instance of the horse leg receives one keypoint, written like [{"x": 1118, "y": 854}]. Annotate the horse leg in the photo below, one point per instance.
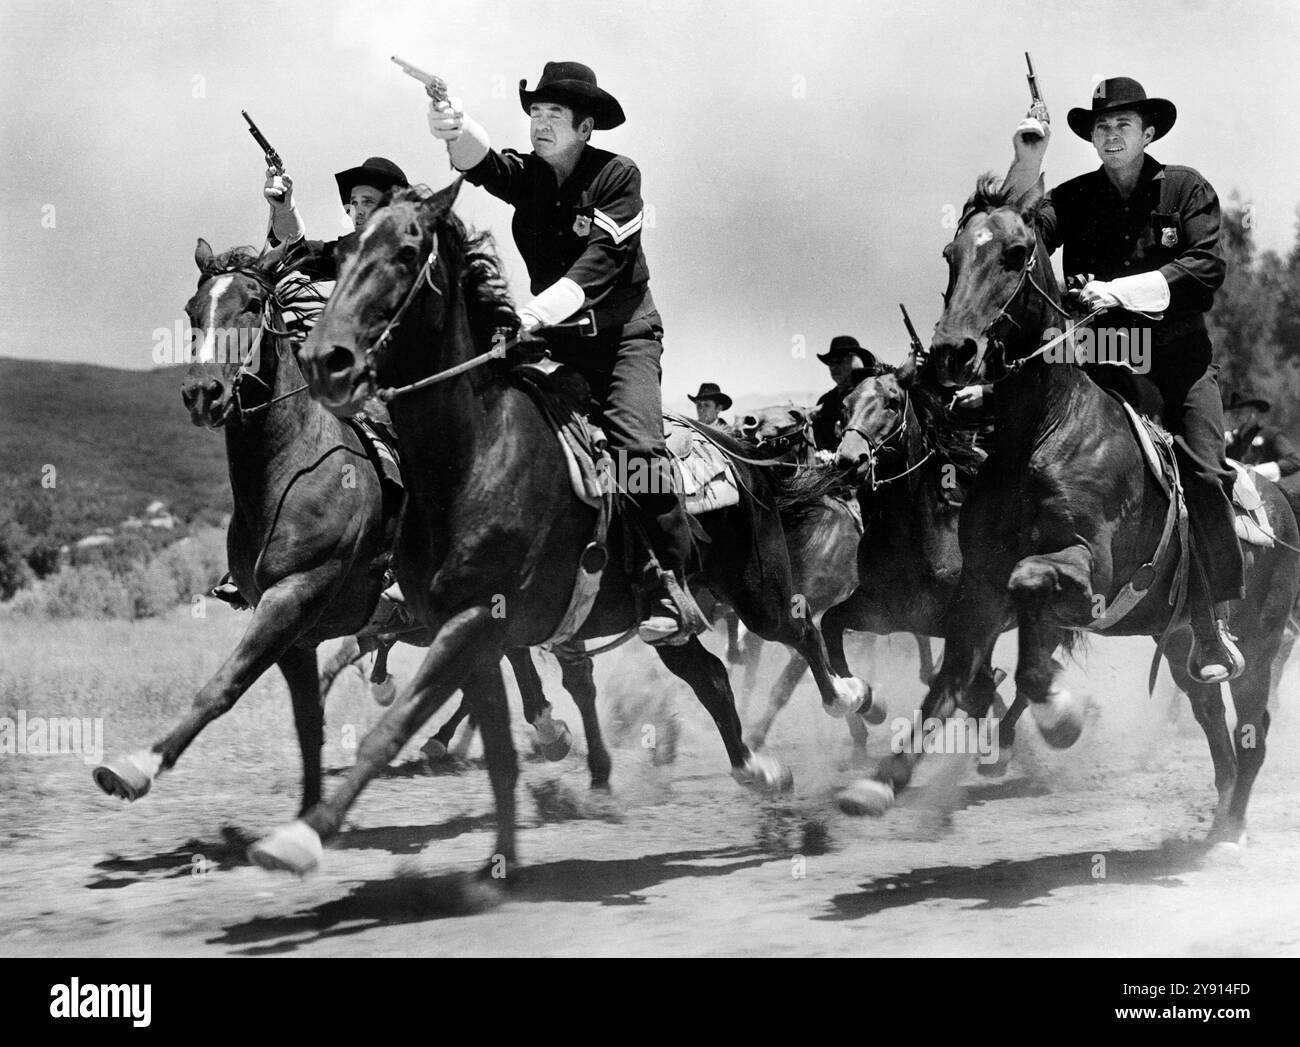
[
  {"x": 751, "y": 657},
  {"x": 298, "y": 664},
  {"x": 707, "y": 677},
  {"x": 1207, "y": 706},
  {"x": 466, "y": 643},
  {"x": 1062, "y": 579},
  {"x": 486, "y": 691},
  {"x": 382, "y": 688},
  {"x": 553, "y": 736},
  {"x": 777, "y": 700},
  {"x": 280, "y": 616},
  {"x": 849, "y": 614},
  {"x": 580, "y": 682},
  {"x": 926, "y": 656},
  {"x": 439, "y": 744},
  {"x": 351, "y": 651},
  {"x": 973, "y": 631},
  {"x": 1280, "y": 660},
  {"x": 732, "y": 621}
]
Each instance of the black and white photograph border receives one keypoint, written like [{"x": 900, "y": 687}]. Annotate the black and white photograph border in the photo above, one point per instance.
[{"x": 467, "y": 487}]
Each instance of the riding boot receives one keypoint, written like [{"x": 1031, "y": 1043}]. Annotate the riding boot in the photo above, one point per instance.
[
  {"x": 1215, "y": 656},
  {"x": 228, "y": 592},
  {"x": 672, "y": 615}
]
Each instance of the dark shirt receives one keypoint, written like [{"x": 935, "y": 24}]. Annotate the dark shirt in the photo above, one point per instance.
[
  {"x": 320, "y": 259},
  {"x": 830, "y": 414},
  {"x": 588, "y": 229},
  {"x": 1256, "y": 444},
  {"x": 1169, "y": 223}
]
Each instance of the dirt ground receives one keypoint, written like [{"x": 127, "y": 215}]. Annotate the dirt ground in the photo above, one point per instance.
[{"x": 1091, "y": 851}]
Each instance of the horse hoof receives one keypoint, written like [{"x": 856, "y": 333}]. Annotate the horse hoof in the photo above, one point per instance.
[
  {"x": 1059, "y": 719},
  {"x": 295, "y": 848},
  {"x": 383, "y": 693},
  {"x": 850, "y": 693},
  {"x": 558, "y": 748},
  {"x": 434, "y": 751},
  {"x": 876, "y": 712},
  {"x": 764, "y": 773},
  {"x": 130, "y": 776},
  {"x": 995, "y": 768},
  {"x": 866, "y": 796}
]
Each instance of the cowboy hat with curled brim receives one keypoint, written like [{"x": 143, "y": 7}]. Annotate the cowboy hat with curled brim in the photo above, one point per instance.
[
  {"x": 710, "y": 391},
  {"x": 574, "y": 84},
  {"x": 1121, "y": 92},
  {"x": 1238, "y": 402},
  {"x": 377, "y": 171},
  {"x": 843, "y": 345}
]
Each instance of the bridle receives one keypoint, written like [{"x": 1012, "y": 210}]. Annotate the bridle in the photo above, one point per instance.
[
  {"x": 1026, "y": 279},
  {"x": 498, "y": 351},
  {"x": 236, "y": 389},
  {"x": 874, "y": 449},
  {"x": 797, "y": 434}
]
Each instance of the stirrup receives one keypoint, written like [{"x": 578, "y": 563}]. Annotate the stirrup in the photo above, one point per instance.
[
  {"x": 1216, "y": 668},
  {"x": 674, "y": 617}
]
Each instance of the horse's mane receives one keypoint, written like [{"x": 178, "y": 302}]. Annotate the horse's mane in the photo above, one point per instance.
[
  {"x": 940, "y": 434},
  {"x": 487, "y": 292},
  {"x": 299, "y": 299},
  {"x": 990, "y": 192}
]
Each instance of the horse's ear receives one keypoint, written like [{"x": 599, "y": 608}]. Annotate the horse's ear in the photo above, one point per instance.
[
  {"x": 906, "y": 374},
  {"x": 203, "y": 255},
  {"x": 441, "y": 201},
  {"x": 1030, "y": 200}
]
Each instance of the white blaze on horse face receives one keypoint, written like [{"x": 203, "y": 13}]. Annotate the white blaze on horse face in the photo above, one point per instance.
[
  {"x": 982, "y": 236},
  {"x": 208, "y": 350}
]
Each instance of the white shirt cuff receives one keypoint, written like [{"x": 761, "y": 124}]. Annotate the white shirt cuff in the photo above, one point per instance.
[
  {"x": 1143, "y": 293},
  {"x": 557, "y": 303}
]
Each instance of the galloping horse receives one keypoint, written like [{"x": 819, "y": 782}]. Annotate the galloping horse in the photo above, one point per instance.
[
  {"x": 309, "y": 538},
  {"x": 492, "y": 533},
  {"x": 1065, "y": 514},
  {"x": 913, "y": 469}
]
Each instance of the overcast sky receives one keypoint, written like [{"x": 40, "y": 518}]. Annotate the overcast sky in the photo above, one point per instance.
[{"x": 800, "y": 158}]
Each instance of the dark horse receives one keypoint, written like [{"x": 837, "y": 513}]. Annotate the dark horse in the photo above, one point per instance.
[
  {"x": 492, "y": 532},
  {"x": 1064, "y": 513},
  {"x": 913, "y": 468},
  {"x": 309, "y": 538}
]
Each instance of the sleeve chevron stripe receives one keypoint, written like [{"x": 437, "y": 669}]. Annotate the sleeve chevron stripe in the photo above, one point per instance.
[{"x": 617, "y": 232}]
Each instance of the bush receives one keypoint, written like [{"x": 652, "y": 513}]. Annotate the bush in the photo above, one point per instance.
[{"x": 86, "y": 592}]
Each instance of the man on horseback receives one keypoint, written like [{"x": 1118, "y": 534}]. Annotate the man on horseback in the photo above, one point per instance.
[
  {"x": 1146, "y": 236},
  {"x": 577, "y": 223},
  {"x": 709, "y": 403},
  {"x": 848, "y": 363},
  {"x": 1264, "y": 448},
  {"x": 363, "y": 190}
]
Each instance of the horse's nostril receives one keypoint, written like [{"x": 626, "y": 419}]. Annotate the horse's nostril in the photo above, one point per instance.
[
  {"x": 188, "y": 395},
  {"x": 339, "y": 360},
  {"x": 968, "y": 348},
  {"x": 214, "y": 388}
]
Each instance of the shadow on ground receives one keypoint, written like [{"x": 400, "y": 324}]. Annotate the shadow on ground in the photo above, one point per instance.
[{"x": 1011, "y": 884}]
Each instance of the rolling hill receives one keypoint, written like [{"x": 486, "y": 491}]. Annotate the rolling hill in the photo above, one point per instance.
[{"x": 117, "y": 440}]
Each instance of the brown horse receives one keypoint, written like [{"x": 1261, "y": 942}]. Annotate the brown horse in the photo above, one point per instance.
[
  {"x": 913, "y": 468},
  {"x": 492, "y": 532},
  {"x": 1065, "y": 513},
  {"x": 309, "y": 539}
]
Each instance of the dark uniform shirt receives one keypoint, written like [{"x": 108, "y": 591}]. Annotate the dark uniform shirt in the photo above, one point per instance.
[
  {"x": 1256, "y": 444},
  {"x": 588, "y": 229},
  {"x": 830, "y": 414},
  {"x": 320, "y": 259},
  {"x": 1169, "y": 223}
]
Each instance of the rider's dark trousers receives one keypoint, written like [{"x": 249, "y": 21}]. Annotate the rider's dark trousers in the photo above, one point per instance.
[
  {"x": 1194, "y": 414},
  {"x": 622, "y": 365}
]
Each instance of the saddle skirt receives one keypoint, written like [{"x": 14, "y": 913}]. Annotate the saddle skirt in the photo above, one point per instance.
[{"x": 381, "y": 445}]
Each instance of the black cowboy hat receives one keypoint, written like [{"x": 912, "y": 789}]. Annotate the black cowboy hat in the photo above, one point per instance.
[
  {"x": 846, "y": 345},
  {"x": 574, "y": 84},
  {"x": 382, "y": 174},
  {"x": 709, "y": 391},
  {"x": 1119, "y": 92},
  {"x": 1236, "y": 401}
]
